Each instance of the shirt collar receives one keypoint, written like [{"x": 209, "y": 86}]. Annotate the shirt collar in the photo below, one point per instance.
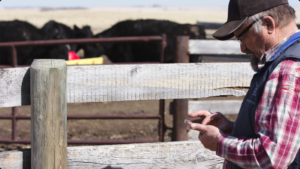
[{"x": 268, "y": 54}]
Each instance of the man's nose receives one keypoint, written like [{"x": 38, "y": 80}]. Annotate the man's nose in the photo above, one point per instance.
[{"x": 243, "y": 48}]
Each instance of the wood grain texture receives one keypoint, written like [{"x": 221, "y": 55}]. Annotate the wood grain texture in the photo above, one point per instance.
[
  {"x": 169, "y": 155},
  {"x": 104, "y": 83},
  {"x": 215, "y": 47},
  {"x": 156, "y": 81},
  {"x": 48, "y": 114}
]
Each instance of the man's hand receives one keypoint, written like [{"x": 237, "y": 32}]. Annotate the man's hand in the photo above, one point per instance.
[
  {"x": 215, "y": 119},
  {"x": 209, "y": 135}
]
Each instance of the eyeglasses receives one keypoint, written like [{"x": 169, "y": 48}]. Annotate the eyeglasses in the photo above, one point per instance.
[{"x": 246, "y": 29}]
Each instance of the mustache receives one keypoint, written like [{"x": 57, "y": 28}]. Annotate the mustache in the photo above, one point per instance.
[{"x": 249, "y": 52}]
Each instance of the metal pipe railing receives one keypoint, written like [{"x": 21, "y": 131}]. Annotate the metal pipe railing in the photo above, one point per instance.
[{"x": 82, "y": 41}]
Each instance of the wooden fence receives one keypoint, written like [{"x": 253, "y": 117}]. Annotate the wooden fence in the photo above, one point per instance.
[{"x": 48, "y": 85}]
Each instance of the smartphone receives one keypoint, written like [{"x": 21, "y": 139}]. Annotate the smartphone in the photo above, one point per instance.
[{"x": 188, "y": 122}]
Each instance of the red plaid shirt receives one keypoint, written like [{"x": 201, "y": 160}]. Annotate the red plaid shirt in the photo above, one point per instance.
[{"x": 276, "y": 122}]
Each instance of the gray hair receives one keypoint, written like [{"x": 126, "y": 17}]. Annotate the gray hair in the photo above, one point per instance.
[{"x": 282, "y": 15}]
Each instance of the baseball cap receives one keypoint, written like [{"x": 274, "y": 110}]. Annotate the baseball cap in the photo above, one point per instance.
[{"x": 239, "y": 11}]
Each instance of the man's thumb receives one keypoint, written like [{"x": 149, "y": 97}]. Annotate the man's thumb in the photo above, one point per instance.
[{"x": 199, "y": 127}]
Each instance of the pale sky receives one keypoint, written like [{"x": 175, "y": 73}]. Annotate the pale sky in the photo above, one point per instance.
[{"x": 121, "y": 3}]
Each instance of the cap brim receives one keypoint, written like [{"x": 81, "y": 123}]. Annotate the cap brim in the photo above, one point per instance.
[{"x": 225, "y": 32}]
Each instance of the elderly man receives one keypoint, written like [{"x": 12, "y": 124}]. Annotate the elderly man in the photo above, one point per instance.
[{"x": 266, "y": 133}]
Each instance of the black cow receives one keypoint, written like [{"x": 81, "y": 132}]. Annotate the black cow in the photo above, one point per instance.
[
  {"x": 16, "y": 30},
  {"x": 85, "y": 32},
  {"x": 56, "y": 30},
  {"x": 145, "y": 51}
]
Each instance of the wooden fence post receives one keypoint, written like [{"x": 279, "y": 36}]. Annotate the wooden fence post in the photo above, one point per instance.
[
  {"x": 180, "y": 105},
  {"x": 48, "y": 114}
]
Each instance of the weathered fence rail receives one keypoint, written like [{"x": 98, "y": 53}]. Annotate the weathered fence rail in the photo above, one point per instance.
[
  {"x": 213, "y": 47},
  {"x": 217, "y": 50},
  {"x": 134, "y": 82}
]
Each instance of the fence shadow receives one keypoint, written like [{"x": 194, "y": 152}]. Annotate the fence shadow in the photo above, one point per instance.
[
  {"x": 26, "y": 158},
  {"x": 25, "y": 92},
  {"x": 109, "y": 167}
]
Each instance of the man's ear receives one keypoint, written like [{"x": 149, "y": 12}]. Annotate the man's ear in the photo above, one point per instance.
[{"x": 269, "y": 22}]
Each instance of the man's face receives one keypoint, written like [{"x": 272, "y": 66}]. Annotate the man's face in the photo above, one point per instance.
[{"x": 252, "y": 43}]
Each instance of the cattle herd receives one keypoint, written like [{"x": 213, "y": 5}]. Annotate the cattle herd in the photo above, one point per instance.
[{"x": 17, "y": 30}]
